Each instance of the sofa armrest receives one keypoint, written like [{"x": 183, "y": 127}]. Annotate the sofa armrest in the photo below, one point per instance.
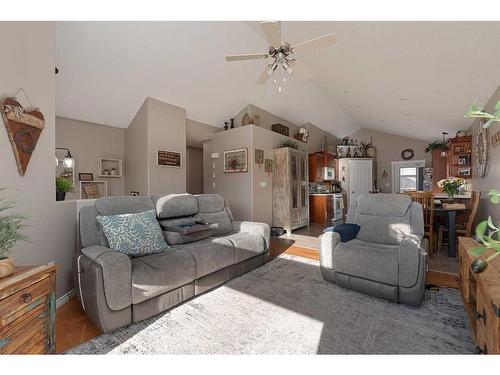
[
  {"x": 254, "y": 227},
  {"x": 412, "y": 253},
  {"x": 116, "y": 273},
  {"x": 328, "y": 243}
]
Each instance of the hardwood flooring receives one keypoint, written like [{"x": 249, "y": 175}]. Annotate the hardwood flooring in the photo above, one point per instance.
[{"x": 73, "y": 327}]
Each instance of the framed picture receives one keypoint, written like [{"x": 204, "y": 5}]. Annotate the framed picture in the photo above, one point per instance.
[
  {"x": 236, "y": 161},
  {"x": 167, "y": 158},
  {"x": 134, "y": 193},
  {"x": 259, "y": 156},
  {"x": 464, "y": 171},
  {"x": 268, "y": 166},
  {"x": 85, "y": 176},
  {"x": 457, "y": 149}
]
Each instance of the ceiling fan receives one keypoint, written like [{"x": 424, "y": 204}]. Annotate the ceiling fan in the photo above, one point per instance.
[{"x": 282, "y": 54}]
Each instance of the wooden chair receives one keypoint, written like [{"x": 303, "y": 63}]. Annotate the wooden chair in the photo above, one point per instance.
[
  {"x": 466, "y": 228},
  {"x": 426, "y": 199}
]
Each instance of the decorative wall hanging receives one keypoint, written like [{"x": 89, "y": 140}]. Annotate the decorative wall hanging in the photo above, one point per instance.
[
  {"x": 259, "y": 156},
  {"x": 236, "y": 161},
  {"x": 86, "y": 176},
  {"x": 23, "y": 128},
  {"x": 407, "y": 154},
  {"x": 268, "y": 166},
  {"x": 256, "y": 120},
  {"x": 246, "y": 120},
  {"x": 280, "y": 129},
  {"x": 482, "y": 148},
  {"x": 495, "y": 139},
  {"x": 166, "y": 158}
]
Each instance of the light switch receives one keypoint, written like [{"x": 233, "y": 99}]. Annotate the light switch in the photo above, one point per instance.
[
  {"x": 213, "y": 175},
  {"x": 214, "y": 155},
  {"x": 213, "y": 165},
  {"x": 213, "y": 184},
  {"x": 263, "y": 184}
]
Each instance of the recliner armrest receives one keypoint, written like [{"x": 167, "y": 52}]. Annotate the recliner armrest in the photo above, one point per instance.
[
  {"x": 116, "y": 273},
  {"x": 411, "y": 254},
  {"x": 254, "y": 227},
  {"x": 328, "y": 243}
]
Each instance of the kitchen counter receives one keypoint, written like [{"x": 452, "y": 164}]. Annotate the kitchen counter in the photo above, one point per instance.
[
  {"x": 458, "y": 196},
  {"x": 323, "y": 193}
]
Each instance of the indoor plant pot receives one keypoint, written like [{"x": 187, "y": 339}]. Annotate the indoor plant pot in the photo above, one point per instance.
[
  {"x": 63, "y": 185},
  {"x": 60, "y": 195},
  {"x": 6, "y": 267}
]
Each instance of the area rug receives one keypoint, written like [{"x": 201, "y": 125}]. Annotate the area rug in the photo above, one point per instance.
[{"x": 285, "y": 307}]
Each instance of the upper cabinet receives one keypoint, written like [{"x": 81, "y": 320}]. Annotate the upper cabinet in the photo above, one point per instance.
[
  {"x": 317, "y": 162},
  {"x": 460, "y": 157}
]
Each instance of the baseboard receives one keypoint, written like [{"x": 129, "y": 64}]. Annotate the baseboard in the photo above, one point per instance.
[{"x": 64, "y": 298}]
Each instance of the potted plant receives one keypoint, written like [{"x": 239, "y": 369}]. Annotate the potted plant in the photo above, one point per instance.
[
  {"x": 451, "y": 185},
  {"x": 63, "y": 185},
  {"x": 291, "y": 144},
  {"x": 436, "y": 145},
  {"x": 10, "y": 226},
  {"x": 486, "y": 231}
]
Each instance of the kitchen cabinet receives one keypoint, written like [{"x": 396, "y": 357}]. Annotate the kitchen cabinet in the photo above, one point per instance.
[
  {"x": 321, "y": 208},
  {"x": 319, "y": 160},
  {"x": 455, "y": 162}
]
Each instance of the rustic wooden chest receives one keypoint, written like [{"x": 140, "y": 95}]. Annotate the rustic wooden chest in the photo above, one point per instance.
[{"x": 27, "y": 311}]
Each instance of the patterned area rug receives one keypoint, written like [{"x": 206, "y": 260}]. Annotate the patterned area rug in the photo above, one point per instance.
[{"x": 286, "y": 307}]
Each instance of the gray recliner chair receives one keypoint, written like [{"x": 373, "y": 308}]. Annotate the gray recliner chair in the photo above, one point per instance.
[{"x": 388, "y": 258}]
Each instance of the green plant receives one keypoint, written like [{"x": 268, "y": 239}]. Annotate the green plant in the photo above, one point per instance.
[
  {"x": 63, "y": 185},
  {"x": 436, "y": 145},
  {"x": 291, "y": 144},
  {"x": 476, "y": 112},
  {"x": 10, "y": 226},
  {"x": 451, "y": 185},
  {"x": 486, "y": 231}
]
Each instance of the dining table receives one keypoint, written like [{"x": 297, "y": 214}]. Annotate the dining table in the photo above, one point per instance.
[{"x": 451, "y": 215}]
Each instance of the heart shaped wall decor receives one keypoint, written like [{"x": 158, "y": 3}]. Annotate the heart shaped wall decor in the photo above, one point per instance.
[{"x": 23, "y": 128}]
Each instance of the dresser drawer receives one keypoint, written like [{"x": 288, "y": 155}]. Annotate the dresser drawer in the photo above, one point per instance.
[
  {"x": 35, "y": 331},
  {"x": 487, "y": 321},
  {"x": 24, "y": 301}
]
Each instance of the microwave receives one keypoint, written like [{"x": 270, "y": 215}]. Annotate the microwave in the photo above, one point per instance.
[{"x": 328, "y": 173}]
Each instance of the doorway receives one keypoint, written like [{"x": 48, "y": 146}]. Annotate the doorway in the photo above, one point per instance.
[
  {"x": 194, "y": 170},
  {"x": 407, "y": 176}
]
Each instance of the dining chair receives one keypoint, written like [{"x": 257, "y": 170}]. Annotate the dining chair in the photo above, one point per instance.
[
  {"x": 466, "y": 228},
  {"x": 426, "y": 199}
]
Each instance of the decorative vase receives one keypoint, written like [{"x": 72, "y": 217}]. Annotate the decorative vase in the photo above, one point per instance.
[
  {"x": 450, "y": 199},
  {"x": 232, "y": 123},
  {"x": 6, "y": 267},
  {"x": 60, "y": 195},
  {"x": 114, "y": 172},
  {"x": 225, "y": 125}
]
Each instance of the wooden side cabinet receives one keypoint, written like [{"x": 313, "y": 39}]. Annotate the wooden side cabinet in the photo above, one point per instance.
[
  {"x": 481, "y": 296},
  {"x": 27, "y": 311}
]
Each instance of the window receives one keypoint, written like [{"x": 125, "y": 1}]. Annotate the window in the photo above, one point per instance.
[{"x": 407, "y": 179}]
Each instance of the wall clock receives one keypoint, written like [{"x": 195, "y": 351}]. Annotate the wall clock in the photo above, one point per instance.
[
  {"x": 407, "y": 154},
  {"x": 482, "y": 148}
]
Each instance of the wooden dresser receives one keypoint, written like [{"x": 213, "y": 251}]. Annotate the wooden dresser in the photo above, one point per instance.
[
  {"x": 481, "y": 295},
  {"x": 27, "y": 310}
]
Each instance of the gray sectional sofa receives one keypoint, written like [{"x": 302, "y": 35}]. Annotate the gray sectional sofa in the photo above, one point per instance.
[
  {"x": 388, "y": 258},
  {"x": 116, "y": 290}
]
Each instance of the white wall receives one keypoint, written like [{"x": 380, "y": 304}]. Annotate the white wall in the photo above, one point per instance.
[{"x": 28, "y": 61}]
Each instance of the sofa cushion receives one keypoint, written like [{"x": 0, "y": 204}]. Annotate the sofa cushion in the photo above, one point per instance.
[
  {"x": 123, "y": 205},
  {"x": 210, "y": 203},
  {"x": 346, "y": 231},
  {"x": 175, "y": 238},
  {"x": 156, "y": 274},
  {"x": 213, "y": 209},
  {"x": 175, "y": 205},
  {"x": 376, "y": 262},
  {"x": 383, "y": 204},
  {"x": 382, "y": 229},
  {"x": 210, "y": 255},
  {"x": 246, "y": 245},
  {"x": 135, "y": 235}
]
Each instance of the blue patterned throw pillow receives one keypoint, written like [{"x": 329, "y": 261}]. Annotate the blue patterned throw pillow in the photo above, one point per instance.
[{"x": 133, "y": 234}]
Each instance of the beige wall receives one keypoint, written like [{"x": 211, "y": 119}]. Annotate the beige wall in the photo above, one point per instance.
[
  {"x": 88, "y": 142},
  {"x": 136, "y": 161},
  {"x": 194, "y": 170},
  {"x": 197, "y": 132},
  {"x": 389, "y": 147},
  {"x": 52, "y": 225},
  {"x": 492, "y": 178},
  {"x": 157, "y": 125},
  {"x": 235, "y": 187}
]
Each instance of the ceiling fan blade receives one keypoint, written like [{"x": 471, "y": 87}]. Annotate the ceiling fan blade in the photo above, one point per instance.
[
  {"x": 302, "y": 68},
  {"x": 322, "y": 41},
  {"x": 248, "y": 56},
  {"x": 263, "y": 77},
  {"x": 272, "y": 29}
]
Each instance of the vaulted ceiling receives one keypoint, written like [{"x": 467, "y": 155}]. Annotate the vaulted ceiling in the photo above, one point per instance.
[{"x": 415, "y": 79}]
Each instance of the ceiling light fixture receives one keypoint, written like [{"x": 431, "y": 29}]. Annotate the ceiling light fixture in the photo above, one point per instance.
[{"x": 444, "y": 153}]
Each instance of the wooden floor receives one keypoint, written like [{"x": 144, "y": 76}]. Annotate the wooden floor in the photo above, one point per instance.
[{"x": 73, "y": 327}]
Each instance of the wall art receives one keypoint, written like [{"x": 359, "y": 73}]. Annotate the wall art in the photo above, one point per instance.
[
  {"x": 268, "y": 166},
  {"x": 23, "y": 128},
  {"x": 236, "y": 161},
  {"x": 167, "y": 158},
  {"x": 259, "y": 156}
]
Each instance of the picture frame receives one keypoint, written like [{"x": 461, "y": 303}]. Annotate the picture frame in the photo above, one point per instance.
[
  {"x": 458, "y": 149},
  {"x": 236, "y": 161},
  {"x": 268, "y": 166},
  {"x": 168, "y": 158},
  {"x": 134, "y": 193},
  {"x": 464, "y": 171},
  {"x": 259, "y": 156},
  {"x": 85, "y": 176}
]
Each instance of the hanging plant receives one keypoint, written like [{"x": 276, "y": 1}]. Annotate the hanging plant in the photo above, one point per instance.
[
  {"x": 476, "y": 112},
  {"x": 487, "y": 234}
]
